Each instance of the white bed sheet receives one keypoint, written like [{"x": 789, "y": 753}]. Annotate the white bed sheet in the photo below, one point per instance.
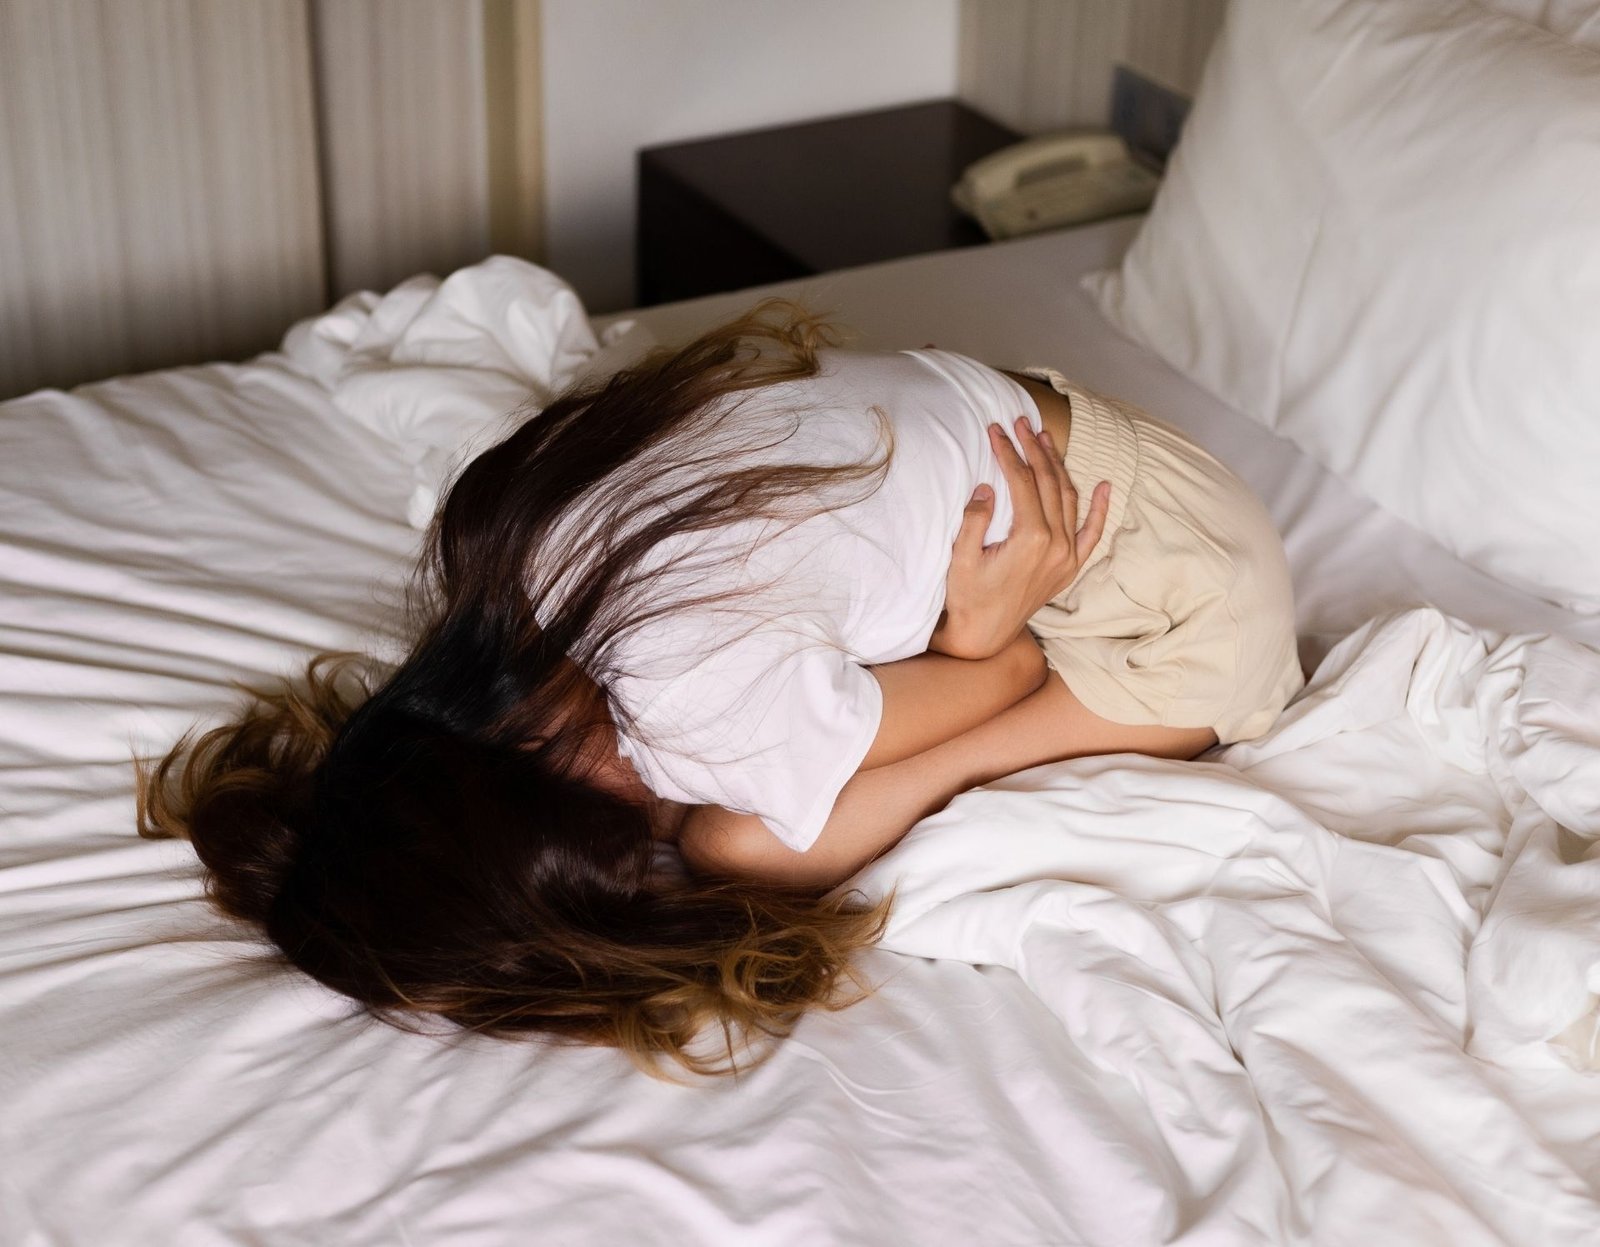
[{"x": 168, "y": 534}]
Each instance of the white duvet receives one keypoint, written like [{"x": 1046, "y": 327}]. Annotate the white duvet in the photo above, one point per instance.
[
  {"x": 1304, "y": 961},
  {"x": 1337, "y": 986}
]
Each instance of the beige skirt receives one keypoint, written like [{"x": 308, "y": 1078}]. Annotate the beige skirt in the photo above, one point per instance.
[{"x": 1183, "y": 615}]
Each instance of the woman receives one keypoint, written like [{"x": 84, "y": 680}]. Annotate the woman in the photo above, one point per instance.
[{"x": 714, "y": 598}]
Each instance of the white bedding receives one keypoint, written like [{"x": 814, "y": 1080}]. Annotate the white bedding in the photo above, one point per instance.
[
  {"x": 1306, "y": 993},
  {"x": 1290, "y": 920}
]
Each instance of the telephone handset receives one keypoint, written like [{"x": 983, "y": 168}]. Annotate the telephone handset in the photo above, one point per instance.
[{"x": 1060, "y": 179}]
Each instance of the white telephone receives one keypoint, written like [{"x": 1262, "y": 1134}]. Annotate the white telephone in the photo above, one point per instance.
[{"x": 1059, "y": 179}]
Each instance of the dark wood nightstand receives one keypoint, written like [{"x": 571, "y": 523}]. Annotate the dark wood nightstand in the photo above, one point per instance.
[{"x": 768, "y": 205}]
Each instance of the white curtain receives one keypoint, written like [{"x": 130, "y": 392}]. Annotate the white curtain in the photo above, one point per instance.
[
  {"x": 181, "y": 179},
  {"x": 158, "y": 176}
]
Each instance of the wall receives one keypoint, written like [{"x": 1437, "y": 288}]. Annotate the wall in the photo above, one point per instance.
[
  {"x": 620, "y": 74},
  {"x": 1041, "y": 65}
]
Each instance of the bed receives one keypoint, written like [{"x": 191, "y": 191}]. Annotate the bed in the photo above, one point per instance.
[{"x": 1334, "y": 986}]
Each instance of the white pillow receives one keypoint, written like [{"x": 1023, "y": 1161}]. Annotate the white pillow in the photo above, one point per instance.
[{"x": 1380, "y": 236}]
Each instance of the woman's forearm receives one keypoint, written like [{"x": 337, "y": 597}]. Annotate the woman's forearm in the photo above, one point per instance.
[
  {"x": 933, "y": 698},
  {"x": 876, "y": 808}
]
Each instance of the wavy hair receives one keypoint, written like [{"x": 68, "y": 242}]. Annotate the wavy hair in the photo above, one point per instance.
[{"x": 422, "y": 840}]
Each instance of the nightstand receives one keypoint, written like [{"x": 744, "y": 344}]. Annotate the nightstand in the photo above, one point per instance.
[{"x": 769, "y": 205}]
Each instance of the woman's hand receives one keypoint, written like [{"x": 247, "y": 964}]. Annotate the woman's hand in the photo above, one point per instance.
[{"x": 991, "y": 591}]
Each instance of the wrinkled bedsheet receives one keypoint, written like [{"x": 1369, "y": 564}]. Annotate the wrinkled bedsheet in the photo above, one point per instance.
[{"x": 1288, "y": 973}]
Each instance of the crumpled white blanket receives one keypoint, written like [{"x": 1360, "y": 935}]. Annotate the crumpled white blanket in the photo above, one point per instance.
[
  {"x": 1298, "y": 975},
  {"x": 444, "y": 368}
]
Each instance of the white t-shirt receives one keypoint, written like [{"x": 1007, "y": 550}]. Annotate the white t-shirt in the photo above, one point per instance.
[{"x": 761, "y": 704}]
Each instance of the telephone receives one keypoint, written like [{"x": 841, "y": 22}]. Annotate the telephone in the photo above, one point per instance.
[{"x": 1055, "y": 180}]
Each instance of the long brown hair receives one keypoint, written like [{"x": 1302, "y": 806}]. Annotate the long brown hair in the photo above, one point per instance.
[{"x": 421, "y": 840}]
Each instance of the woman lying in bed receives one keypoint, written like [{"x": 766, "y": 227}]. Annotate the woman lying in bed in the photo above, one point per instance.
[{"x": 770, "y": 599}]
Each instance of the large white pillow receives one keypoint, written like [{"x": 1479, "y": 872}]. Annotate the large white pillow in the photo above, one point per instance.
[{"x": 1380, "y": 236}]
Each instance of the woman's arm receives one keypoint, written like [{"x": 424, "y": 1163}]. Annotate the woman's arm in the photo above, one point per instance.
[
  {"x": 877, "y": 807},
  {"x": 933, "y": 698},
  {"x": 976, "y": 710},
  {"x": 982, "y": 658}
]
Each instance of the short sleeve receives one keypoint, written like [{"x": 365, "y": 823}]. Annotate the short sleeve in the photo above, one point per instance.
[{"x": 765, "y": 725}]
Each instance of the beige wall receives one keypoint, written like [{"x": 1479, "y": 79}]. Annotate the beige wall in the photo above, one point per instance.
[
  {"x": 1041, "y": 65},
  {"x": 624, "y": 74}
]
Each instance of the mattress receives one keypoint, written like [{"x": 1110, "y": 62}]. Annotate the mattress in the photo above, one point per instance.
[{"x": 1144, "y": 1023}]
